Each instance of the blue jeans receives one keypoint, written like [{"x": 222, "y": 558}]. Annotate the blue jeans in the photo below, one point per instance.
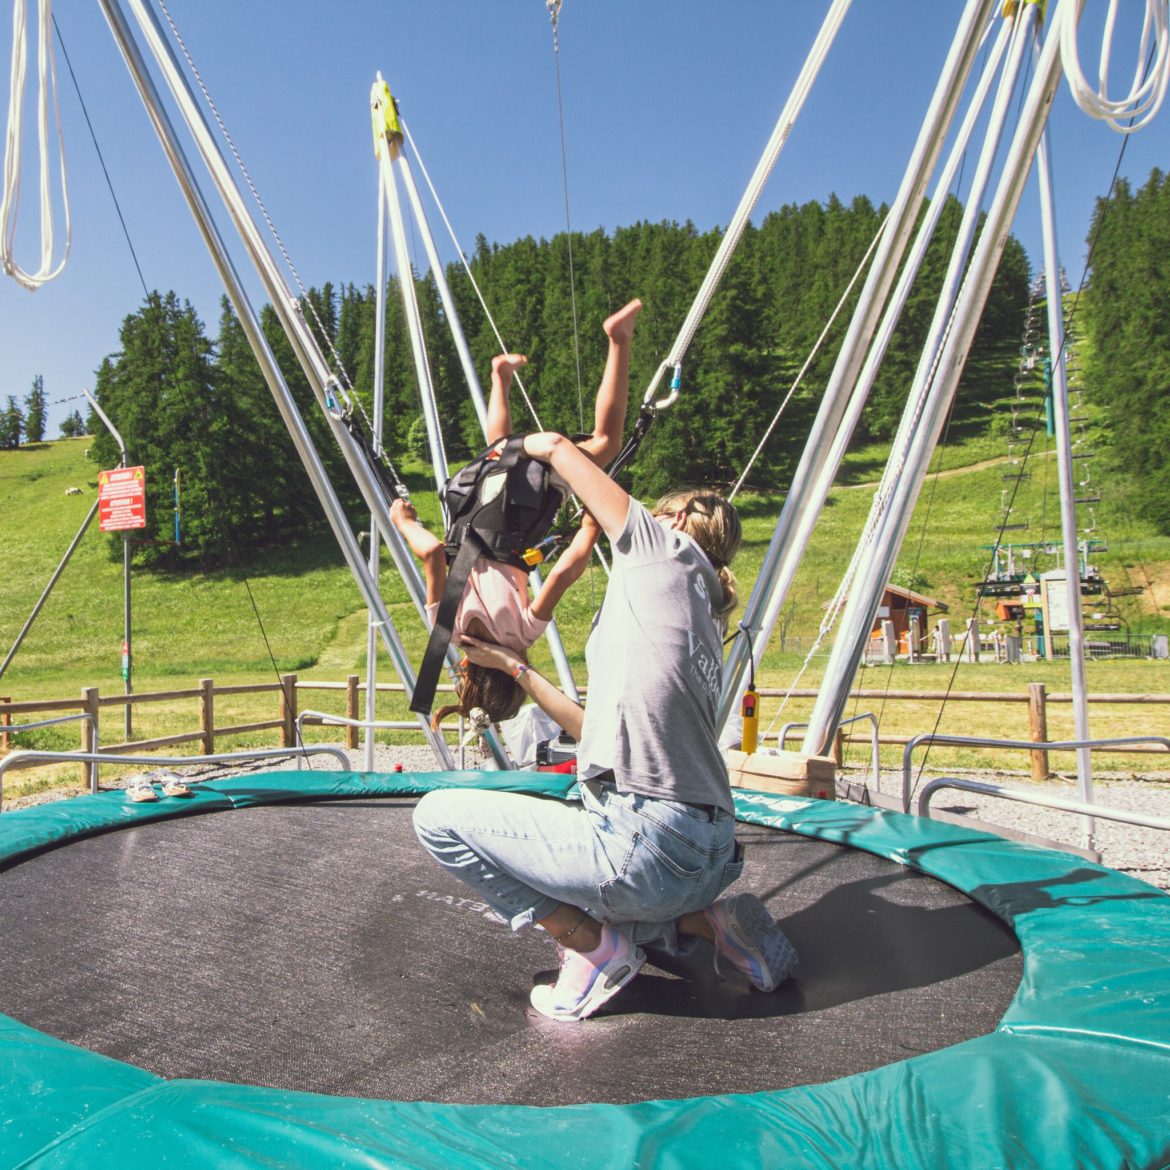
[{"x": 630, "y": 860}]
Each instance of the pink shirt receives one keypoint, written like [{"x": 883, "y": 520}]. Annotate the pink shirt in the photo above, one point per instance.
[{"x": 497, "y": 595}]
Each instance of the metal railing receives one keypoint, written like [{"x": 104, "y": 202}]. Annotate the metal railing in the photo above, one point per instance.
[
  {"x": 1011, "y": 745},
  {"x": 875, "y": 742},
  {"x": 83, "y": 716},
  {"x": 26, "y": 757},
  {"x": 1023, "y": 796},
  {"x": 325, "y": 719}
]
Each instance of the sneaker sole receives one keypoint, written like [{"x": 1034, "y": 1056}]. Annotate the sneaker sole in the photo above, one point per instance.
[
  {"x": 602, "y": 992},
  {"x": 761, "y": 942}
]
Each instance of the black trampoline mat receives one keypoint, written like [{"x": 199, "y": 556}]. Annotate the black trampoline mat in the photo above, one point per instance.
[{"x": 318, "y": 947}]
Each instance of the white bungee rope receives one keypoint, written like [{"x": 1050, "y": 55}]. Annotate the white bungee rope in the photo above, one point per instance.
[
  {"x": 13, "y": 149},
  {"x": 812, "y": 67},
  {"x": 1148, "y": 89}
]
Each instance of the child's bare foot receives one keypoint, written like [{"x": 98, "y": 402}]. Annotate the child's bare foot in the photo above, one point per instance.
[
  {"x": 504, "y": 365},
  {"x": 620, "y": 327}
]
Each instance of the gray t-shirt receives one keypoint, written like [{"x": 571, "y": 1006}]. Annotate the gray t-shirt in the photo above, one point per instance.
[{"x": 655, "y": 660}]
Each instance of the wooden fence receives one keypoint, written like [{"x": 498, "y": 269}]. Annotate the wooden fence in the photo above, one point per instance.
[{"x": 89, "y": 707}]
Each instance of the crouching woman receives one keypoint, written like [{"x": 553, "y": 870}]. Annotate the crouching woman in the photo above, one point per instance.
[{"x": 644, "y": 857}]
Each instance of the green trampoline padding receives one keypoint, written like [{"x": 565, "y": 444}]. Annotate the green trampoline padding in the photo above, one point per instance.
[{"x": 1076, "y": 1075}]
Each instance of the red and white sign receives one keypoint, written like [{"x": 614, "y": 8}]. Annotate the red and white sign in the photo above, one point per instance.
[{"x": 122, "y": 498}]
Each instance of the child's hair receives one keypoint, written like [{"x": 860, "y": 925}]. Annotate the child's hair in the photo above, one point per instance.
[
  {"x": 497, "y": 694},
  {"x": 713, "y": 524}
]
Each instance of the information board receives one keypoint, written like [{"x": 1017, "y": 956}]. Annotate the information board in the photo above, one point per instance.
[{"x": 122, "y": 499}]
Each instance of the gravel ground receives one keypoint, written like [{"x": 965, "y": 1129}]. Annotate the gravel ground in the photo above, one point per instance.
[{"x": 1142, "y": 852}]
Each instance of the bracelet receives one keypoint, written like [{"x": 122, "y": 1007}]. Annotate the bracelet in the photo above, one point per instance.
[{"x": 519, "y": 670}]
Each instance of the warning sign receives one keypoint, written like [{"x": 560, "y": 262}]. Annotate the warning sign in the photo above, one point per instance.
[{"x": 122, "y": 498}]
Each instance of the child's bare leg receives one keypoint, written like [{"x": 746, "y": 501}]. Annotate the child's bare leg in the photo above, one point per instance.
[
  {"x": 609, "y": 411},
  {"x": 499, "y": 412}
]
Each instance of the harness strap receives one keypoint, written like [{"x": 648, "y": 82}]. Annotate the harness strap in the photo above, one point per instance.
[
  {"x": 646, "y": 417},
  {"x": 391, "y": 483},
  {"x": 436, "y": 652}
]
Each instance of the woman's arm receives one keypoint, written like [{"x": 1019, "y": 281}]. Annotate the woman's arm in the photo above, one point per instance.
[
  {"x": 569, "y": 567},
  {"x": 546, "y": 695},
  {"x": 609, "y": 503}
]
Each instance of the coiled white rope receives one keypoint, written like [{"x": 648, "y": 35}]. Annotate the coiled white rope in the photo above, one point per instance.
[
  {"x": 1148, "y": 89},
  {"x": 13, "y": 148}
]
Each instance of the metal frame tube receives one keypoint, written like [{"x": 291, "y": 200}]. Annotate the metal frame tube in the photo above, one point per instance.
[
  {"x": 282, "y": 302},
  {"x": 379, "y": 410},
  {"x": 1023, "y": 796},
  {"x": 422, "y": 369},
  {"x": 430, "y": 412},
  {"x": 32, "y": 617},
  {"x": 1012, "y": 745},
  {"x": 959, "y": 254},
  {"x": 25, "y": 758},
  {"x": 453, "y": 322},
  {"x": 814, "y": 475},
  {"x": 1068, "y": 508},
  {"x": 909, "y": 457}
]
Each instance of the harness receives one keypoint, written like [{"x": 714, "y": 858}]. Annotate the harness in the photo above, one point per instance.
[{"x": 500, "y": 506}]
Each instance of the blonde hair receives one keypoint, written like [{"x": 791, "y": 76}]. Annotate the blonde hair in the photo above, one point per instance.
[{"x": 713, "y": 524}]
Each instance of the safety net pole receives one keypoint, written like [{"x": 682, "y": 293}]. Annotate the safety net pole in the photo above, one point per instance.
[
  {"x": 282, "y": 302},
  {"x": 814, "y": 476}
]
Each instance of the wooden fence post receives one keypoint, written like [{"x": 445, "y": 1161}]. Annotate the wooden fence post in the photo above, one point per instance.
[
  {"x": 351, "y": 710},
  {"x": 1038, "y": 728},
  {"x": 288, "y": 710},
  {"x": 207, "y": 715},
  {"x": 5, "y": 721},
  {"x": 89, "y": 735}
]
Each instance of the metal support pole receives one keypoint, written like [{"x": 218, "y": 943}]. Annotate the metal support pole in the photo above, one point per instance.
[
  {"x": 968, "y": 310},
  {"x": 872, "y": 563},
  {"x": 375, "y": 543},
  {"x": 815, "y": 473},
  {"x": 32, "y": 617},
  {"x": 127, "y": 649},
  {"x": 387, "y": 171},
  {"x": 1068, "y": 507},
  {"x": 285, "y": 307}
]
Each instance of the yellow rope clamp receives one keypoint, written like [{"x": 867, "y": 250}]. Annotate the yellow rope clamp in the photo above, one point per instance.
[
  {"x": 1010, "y": 8},
  {"x": 384, "y": 116}
]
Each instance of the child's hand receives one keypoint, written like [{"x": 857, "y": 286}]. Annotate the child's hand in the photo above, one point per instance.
[{"x": 401, "y": 511}]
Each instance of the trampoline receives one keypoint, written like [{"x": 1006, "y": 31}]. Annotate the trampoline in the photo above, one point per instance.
[{"x": 300, "y": 985}]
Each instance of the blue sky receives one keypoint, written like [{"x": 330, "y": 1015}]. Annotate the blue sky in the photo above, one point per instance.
[{"x": 667, "y": 108}]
